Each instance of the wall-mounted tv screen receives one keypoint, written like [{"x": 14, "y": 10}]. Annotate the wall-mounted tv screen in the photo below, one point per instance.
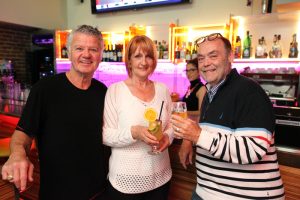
[{"x": 101, "y": 6}]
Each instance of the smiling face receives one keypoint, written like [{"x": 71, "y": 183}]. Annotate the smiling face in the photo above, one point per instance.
[
  {"x": 140, "y": 56},
  {"x": 192, "y": 72},
  {"x": 85, "y": 54},
  {"x": 141, "y": 64},
  {"x": 214, "y": 61}
]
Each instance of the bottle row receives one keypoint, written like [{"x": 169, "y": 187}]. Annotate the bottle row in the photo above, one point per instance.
[
  {"x": 185, "y": 52},
  {"x": 261, "y": 50},
  {"x": 113, "y": 53},
  {"x": 162, "y": 49}
]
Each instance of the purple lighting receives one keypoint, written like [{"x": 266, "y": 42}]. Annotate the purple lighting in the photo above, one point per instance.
[{"x": 173, "y": 75}]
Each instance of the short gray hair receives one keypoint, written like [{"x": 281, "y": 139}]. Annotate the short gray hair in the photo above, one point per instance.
[{"x": 85, "y": 29}]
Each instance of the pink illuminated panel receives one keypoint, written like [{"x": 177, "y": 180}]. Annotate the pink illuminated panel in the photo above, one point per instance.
[
  {"x": 173, "y": 75},
  {"x": 110, "y": 72}
]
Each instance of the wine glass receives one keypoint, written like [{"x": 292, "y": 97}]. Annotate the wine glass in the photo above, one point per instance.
[{"x": 179, "y": 108}]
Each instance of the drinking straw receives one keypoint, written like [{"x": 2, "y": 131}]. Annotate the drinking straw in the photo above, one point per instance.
[{"x": 162, "y": 105}]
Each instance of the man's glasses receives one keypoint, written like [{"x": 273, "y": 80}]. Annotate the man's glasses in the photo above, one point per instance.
[
  {"x": 190, "y": 70},
  {"x": 210, "y": 37}
]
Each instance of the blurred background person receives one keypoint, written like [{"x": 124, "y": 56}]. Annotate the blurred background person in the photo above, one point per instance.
[
  {"x": 195, "y": 92},
  {"x": 134, "y": 174},
  {"x": 193, "y": 98}
]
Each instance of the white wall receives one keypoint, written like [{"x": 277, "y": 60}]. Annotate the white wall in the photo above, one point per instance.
[
  {"x": 199, "y": 12},
  {"x": 46, "y": 14}
]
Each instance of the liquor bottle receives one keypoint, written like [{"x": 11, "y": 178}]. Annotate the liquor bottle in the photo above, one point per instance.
[
  {"x": 104, "y": 54},
  {"x": 107, "y": 54},
  {"x": 293, "y": 53},
  {"x": 247, "y": 46},
  {"x": 194, "y": 52},
  {"x": 276, "y": 51},
  {"x": 237, "y": 47},
  {"x": 165, "y": 50},
  {"x": 259, "y": 50},
  {"x": 160, "y": 50},
  {"x": 111, "y": 54},
  {"x": 114, "y": 54},
  {"x": 156, "y": 47},
  {"x": 64, "y": 52},
  {"x": 183, "y": 51},
  {"x": 279, "y": 46},
  {"x": 119, "y": 53},
  {"x": 264, "y": 45},
  {"x": 273, "y": 49},
  {"x": 177, "y": 51},
  {"x": 188, "y": 54},
  {"x": 264, "y": 6}
]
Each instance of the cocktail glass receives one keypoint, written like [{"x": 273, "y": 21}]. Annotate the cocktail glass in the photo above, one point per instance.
[{"x": 155, "y": 128}]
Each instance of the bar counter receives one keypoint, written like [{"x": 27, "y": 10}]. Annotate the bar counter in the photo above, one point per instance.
[{"x": 183, "y": 181}]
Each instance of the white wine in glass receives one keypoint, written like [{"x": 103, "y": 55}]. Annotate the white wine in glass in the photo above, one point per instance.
[{"x": 179, "y": 108}]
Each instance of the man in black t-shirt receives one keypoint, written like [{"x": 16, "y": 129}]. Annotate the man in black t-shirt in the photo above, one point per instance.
[{"x": 64, "y": 114}]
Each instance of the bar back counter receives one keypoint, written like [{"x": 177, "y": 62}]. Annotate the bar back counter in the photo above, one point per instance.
[{"x": 183, "y": 181}]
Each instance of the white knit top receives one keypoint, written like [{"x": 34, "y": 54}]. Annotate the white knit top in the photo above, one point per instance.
[{"x": 131, "y": 168}]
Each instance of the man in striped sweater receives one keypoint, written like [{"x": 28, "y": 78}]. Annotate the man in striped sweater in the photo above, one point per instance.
[{"x": 235, "y": 155}]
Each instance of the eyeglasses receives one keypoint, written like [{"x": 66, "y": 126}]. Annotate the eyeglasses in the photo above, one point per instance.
[
  {"x": 210, "y": 37},
  {"x": 190, "y": 70}
]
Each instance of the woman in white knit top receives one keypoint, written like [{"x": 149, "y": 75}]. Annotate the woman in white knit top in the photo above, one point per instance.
[{"x": 134, "y": 174}]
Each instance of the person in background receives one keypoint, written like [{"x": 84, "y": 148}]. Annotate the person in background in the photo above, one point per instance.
[
  {"x": 196, "y": 91},
  {"x": 134, "y": 174},
  {"x": 193, "y": 98},
  {"x": 64, "y": 113},
  {"x": 235, "y": 152}
]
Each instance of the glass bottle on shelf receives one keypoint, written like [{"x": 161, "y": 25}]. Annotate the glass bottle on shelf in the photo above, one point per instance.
[
  {"x": 183, "y": 51},
  {"x": 165, "y": 50},
  {"x": 279, "y": 53},
  {"x": 109, "y": 53},
  {"x": 264, "y": 47},
  {"x": 119, "y": 53},
  {"x": 188, "y": 54},
  {"x": 293, "y": 52},
  {"x": 276, "y": 51},
  {"x": 247, "y": 46},
  {"x": 114, "y": 54},
  {"x": 104, "y": 54},
  {"x": 177, "y": 51},
  {"x": 156, "y": 47},
  {"x": 274, "y": 46},
  {"x": 237, "y": 47},
  {"x": 64, "y": 52},
  {"x": 194, "y": 52},
  {"x": 261, "y": 49}
]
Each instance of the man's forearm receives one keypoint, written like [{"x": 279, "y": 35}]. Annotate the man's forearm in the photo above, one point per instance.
[{"x": 20, "y": 144}]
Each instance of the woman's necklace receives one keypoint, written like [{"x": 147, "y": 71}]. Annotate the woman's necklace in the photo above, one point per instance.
[{"x": 190, "y": 90}]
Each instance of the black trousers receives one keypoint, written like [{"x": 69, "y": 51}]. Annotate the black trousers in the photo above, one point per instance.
[{"x": 160, "y": 193}]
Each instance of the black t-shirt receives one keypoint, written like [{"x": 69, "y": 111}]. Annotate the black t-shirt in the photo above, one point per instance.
[{"x": 67, "y": 123}]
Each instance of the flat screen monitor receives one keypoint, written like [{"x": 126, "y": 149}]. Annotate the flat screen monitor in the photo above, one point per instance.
[{"x": 102, "y": 6}]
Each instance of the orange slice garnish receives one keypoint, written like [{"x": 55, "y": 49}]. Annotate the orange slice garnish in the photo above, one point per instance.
[{"x": 150, "y": 114}]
